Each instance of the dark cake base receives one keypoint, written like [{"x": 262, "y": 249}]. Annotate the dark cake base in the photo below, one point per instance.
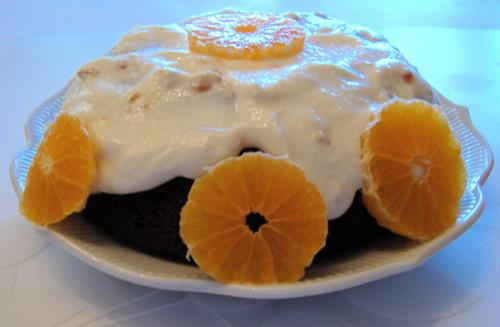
[
  {"x": 150, "y": 220},
  {"x": 356, "y": 228},
  {"x": 147, "y": 219}
]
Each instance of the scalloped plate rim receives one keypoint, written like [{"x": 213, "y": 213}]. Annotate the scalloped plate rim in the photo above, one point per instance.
[{"x": 279, "y": 291}]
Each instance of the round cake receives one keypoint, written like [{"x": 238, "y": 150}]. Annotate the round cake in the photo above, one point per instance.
[
  {"x": 161, "y": 115},
  {"x": 150, "y": 221}
]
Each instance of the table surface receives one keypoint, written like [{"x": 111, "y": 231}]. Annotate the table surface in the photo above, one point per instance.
[{"x": 455, "y": 45}]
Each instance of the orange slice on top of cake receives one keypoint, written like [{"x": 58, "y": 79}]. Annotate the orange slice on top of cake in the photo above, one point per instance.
[{"x": 245, "y": 35}]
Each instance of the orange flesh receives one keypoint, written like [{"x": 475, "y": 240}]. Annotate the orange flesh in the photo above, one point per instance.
[
  {"x": 414, "y": 173},
  {"x": 245, "y": 35},
  {"x": 59, "y": 179},
  {"x": 214, "y": 221}
]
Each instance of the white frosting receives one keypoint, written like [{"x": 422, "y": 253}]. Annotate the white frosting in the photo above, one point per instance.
[{"x": 157, "y": 111}]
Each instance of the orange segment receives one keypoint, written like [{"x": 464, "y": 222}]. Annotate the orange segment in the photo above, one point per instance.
[
  {"x": 59, "y": 179},
  {"x": 414, "y": 175},
  {"x": 244, "y": 35},
  {"x": 254, "y": 219}
]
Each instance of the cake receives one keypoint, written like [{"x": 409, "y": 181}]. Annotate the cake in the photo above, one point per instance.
[{"x": 168, "y": 103}]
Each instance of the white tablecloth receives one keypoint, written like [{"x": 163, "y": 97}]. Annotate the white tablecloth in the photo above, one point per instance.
[{"x": 455, "y": 45}]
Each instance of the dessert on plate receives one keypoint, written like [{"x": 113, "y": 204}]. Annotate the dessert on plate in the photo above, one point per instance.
[{"x": 249, "y": 142}]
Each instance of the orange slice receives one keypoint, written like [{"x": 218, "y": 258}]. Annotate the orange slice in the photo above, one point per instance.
[
  {"x": 245, "y": 35},
  {"x": 254, "y": 219},
  {"x": 414, "y": 176},
  {"x": 59, "y": 179}
]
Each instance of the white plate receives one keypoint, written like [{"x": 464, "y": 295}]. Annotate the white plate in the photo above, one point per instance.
[{"x": 386, "y": 258}]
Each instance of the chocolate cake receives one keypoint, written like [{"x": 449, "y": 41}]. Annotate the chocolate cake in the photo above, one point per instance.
[{"x": 150, "y": 220}]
